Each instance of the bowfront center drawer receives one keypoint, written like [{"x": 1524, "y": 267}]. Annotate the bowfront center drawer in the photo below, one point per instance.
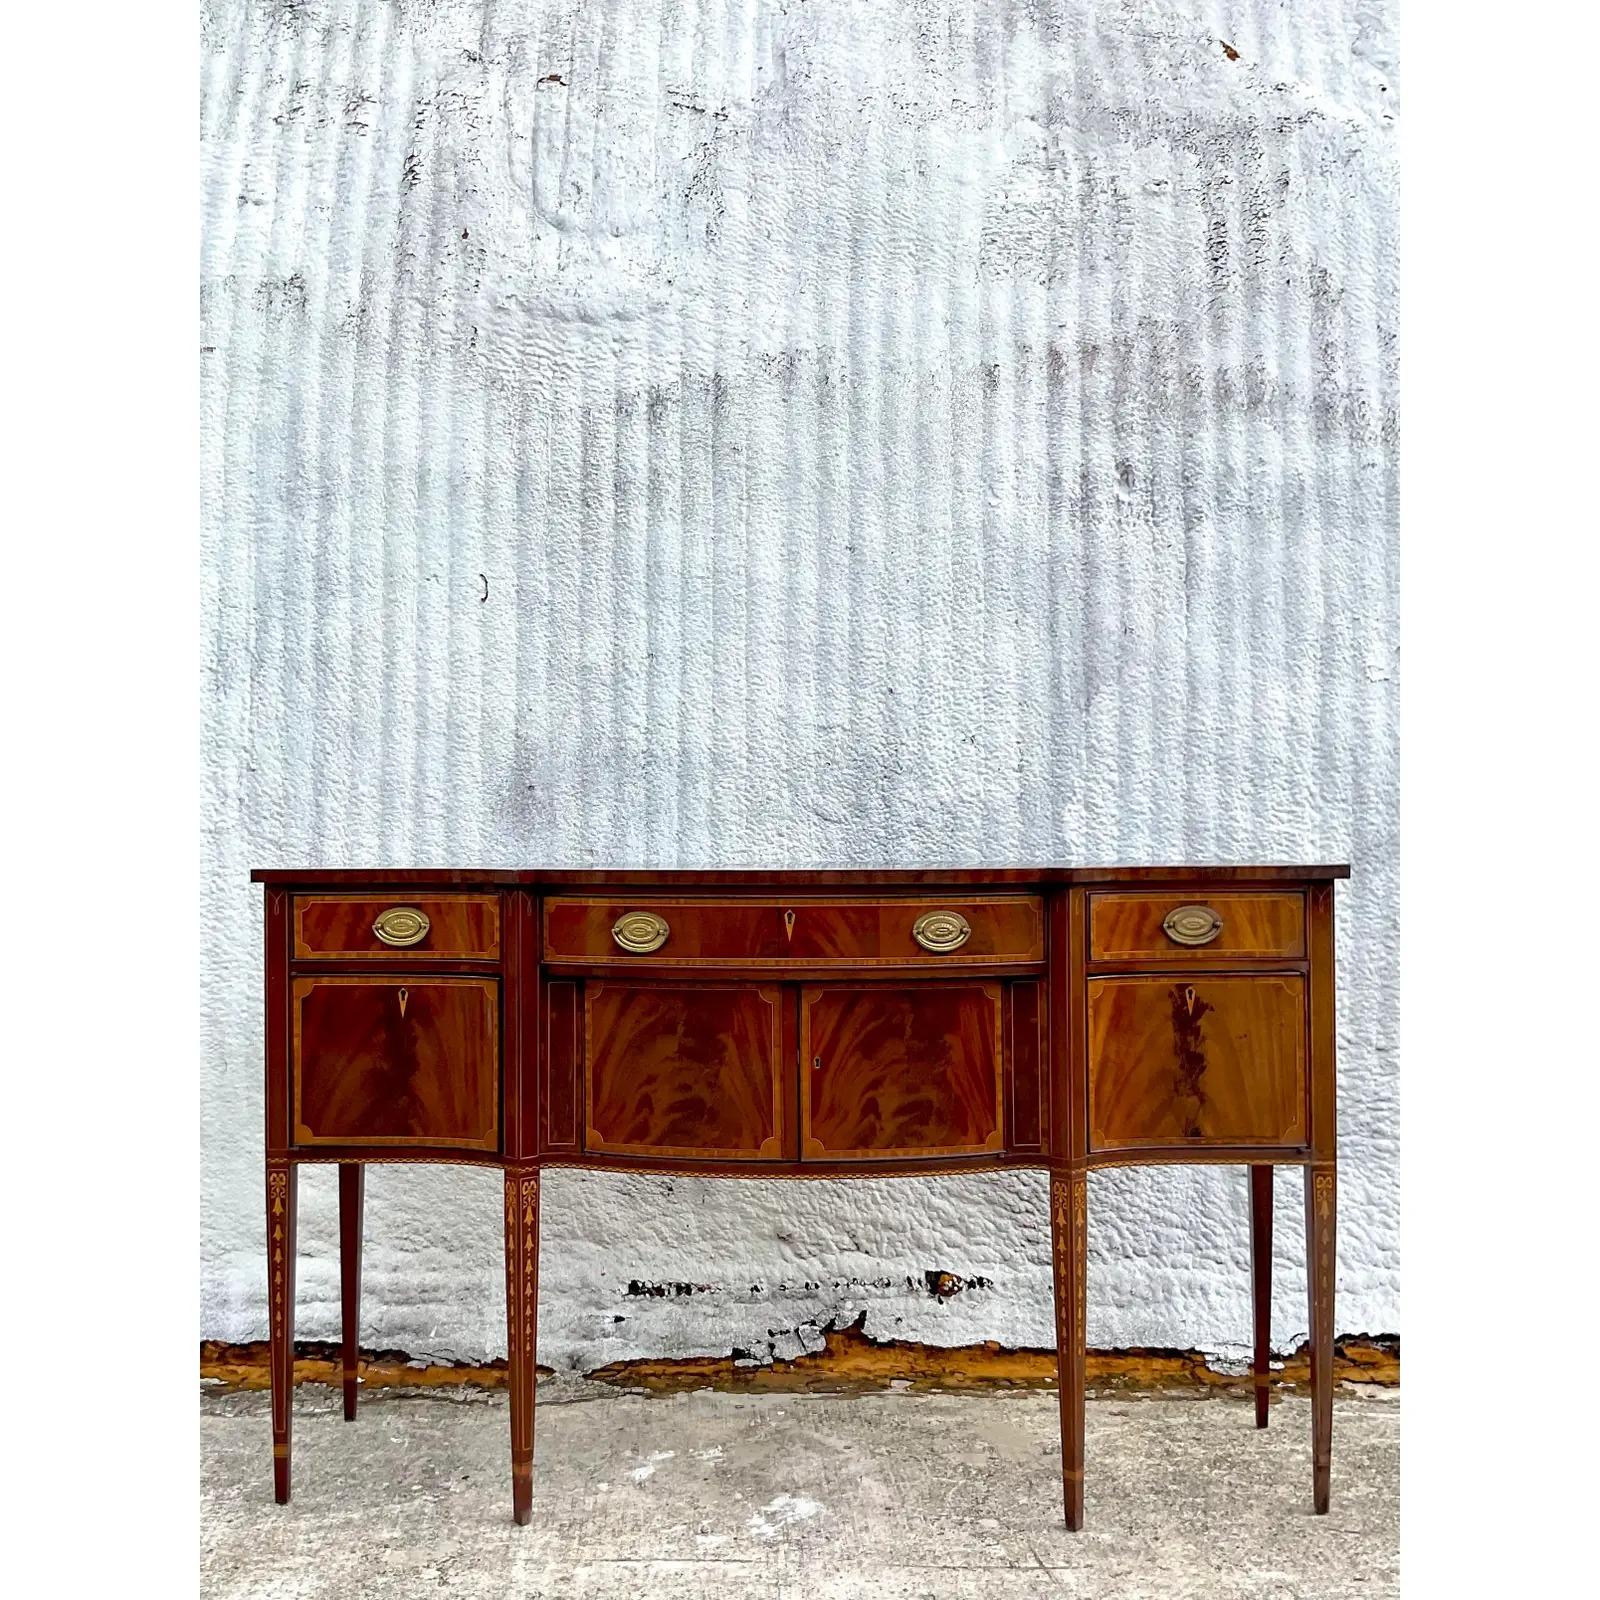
[
  {"x": 437, "y": 927},
  {"x": 1138, "y": 928},
  {"x": 685, "y": 931}
]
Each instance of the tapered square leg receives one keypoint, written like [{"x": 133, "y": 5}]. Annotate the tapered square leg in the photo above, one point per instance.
[
  {"x": 282, "y": 1187},
  {"x": 352, "y": 1184},
  {"x": 1069, "y": 1235},
  {"x": 522, "y": 1328},
  {"x": 1261, "y": 1283},
  {"x": 1320, "y": 1257}
]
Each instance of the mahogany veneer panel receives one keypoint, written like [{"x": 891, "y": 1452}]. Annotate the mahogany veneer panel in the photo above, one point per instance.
[
  {"x": 1025, "y": 1055},
  {"x": 708, "y": 933},
  {"x": 1128, "y": 927},
  {"x": 563, "y": 1021},
  {"x": 396, "y": 1061},
  {"x": 695, "y": 1071},
  {"x": 1196, "y": 1060},
  {"x": 462, "y": 927},
  {"x": 900, "y": 1072}
]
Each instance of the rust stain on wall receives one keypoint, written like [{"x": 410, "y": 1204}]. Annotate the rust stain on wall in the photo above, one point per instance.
[{"x": 848, "y": 1362}]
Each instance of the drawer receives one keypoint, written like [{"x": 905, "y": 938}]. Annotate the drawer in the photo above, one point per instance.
[
  {"x": 692, "y": 1072},
  {"x": 1180, "y": 1061},
  {"x": 891, "y": 1072},
  {"x": 1189, "y": 928},
  {"x": 344, "y": 927},
  {"x": 396, "y": 1061},
  {"x": 685, "y": 931}
]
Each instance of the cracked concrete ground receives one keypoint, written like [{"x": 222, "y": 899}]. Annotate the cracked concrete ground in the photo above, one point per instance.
[{"x": 711, "y": 1495}]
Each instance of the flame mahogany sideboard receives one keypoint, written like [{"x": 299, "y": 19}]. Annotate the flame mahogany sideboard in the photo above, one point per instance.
[{"x": 795, "y": 1024}]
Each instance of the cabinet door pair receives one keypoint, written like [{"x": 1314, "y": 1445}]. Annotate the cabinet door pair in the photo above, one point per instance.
[{"x": 772, "y": 1072}]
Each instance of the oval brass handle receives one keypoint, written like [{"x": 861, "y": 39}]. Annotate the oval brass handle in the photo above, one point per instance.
[
  {"x": 640, "y": 932},
  {"x": 402, "y": 925},
  {"x": 941, "y": 931},
  {"x": 1192, "y": 925}
]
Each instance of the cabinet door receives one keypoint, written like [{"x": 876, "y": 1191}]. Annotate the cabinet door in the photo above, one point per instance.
[
  {"x": 900, "y": 1071},
  {"x": 1196, "y": 1060},
  {"x": 397, "y": 1061},
  {"x": 692, "y": 1071}
]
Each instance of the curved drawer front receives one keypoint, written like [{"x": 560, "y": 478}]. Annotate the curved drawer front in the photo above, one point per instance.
[
  {"x": 389, "y": 927},
  {"x": 684, "y": 931},
  {"x": 1189, "y": 928}
]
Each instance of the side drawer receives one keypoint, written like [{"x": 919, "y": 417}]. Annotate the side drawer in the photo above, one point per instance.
[
  {"x": 440, "y": 927},
  {"x": 683, "y": 931},
  {"x": 1179, "y": 1061},
  {"x": 1185, "y": 928},
  {"x": 397, "y": 1061}
]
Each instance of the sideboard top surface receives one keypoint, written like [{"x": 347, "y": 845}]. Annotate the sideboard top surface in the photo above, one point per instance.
[{"x": 787, "y": 877}]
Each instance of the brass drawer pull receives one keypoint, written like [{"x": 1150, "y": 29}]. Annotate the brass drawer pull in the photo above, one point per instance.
[
  {"x": 401, "y": 926},
  {"x": 640, "y": 931},
  {"x": 941, "y": 931},
  {"x": 1192, "y": 925}
]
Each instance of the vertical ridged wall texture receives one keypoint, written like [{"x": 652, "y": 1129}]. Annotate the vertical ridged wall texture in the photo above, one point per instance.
[{"x": 871, "y": 433}]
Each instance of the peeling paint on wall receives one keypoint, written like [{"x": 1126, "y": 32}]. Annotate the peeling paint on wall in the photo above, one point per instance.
[{"x": 880, "y": 434}]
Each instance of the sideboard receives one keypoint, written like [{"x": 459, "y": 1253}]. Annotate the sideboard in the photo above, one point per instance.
[{"x": 802, "y": 1024}]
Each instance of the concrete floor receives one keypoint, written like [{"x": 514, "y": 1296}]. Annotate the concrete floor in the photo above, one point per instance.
[{"x": 893, "y": 1495}]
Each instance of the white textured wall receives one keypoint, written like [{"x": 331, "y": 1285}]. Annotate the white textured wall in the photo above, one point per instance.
[{"x": 888, "y": 434}]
